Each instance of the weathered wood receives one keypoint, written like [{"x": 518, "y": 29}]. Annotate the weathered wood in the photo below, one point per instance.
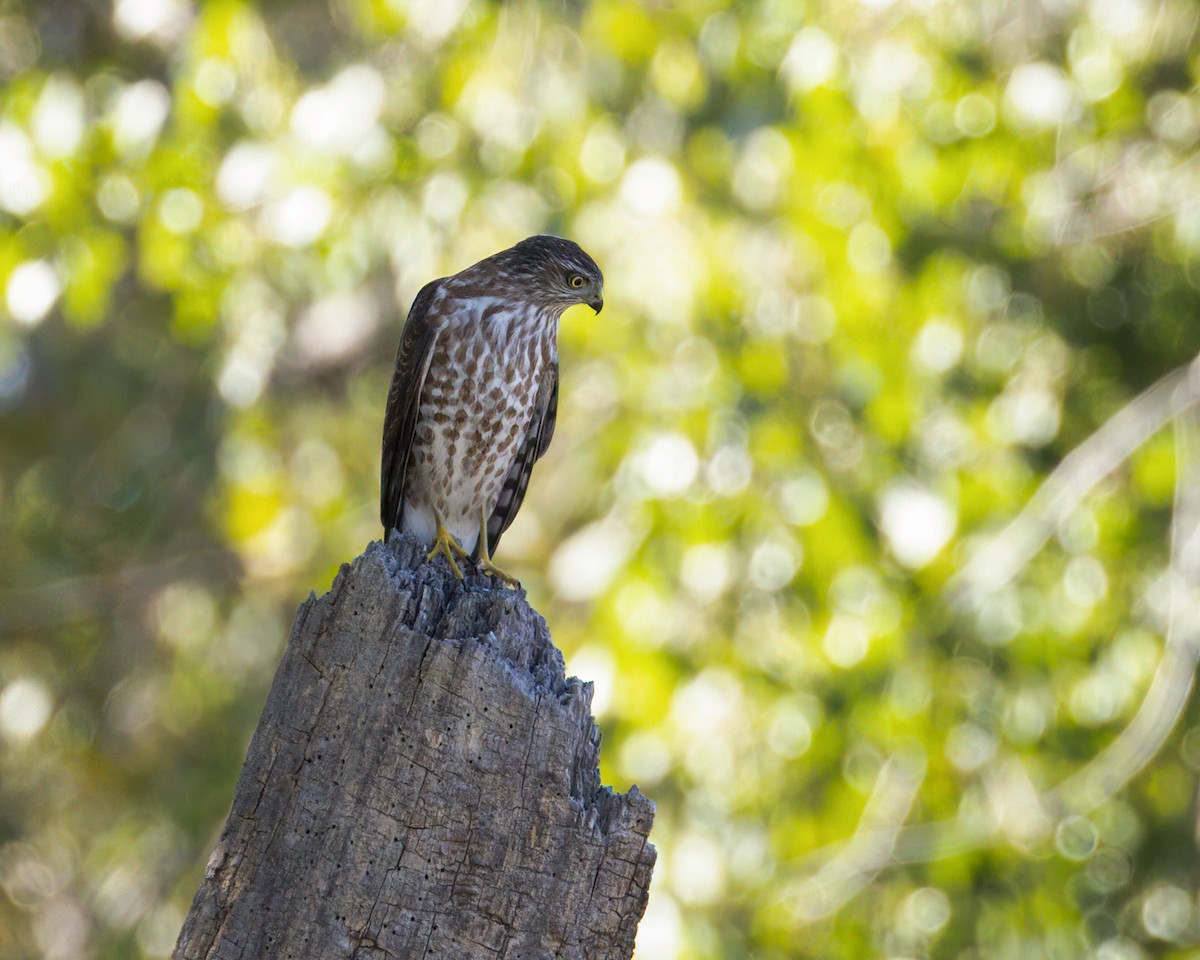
[{"x": 423, "y": 783}]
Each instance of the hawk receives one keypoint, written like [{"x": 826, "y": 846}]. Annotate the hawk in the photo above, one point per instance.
[{"x": 474, "y": 396}]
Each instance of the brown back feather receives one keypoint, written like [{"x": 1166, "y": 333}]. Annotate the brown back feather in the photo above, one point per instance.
[{"x": 404, "y": 404}]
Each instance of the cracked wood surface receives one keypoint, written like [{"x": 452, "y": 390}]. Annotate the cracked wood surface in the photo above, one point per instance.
[{"x": 423, "y": 783}]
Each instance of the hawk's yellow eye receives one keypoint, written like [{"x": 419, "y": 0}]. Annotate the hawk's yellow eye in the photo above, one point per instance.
[{"x": 576, "y": 281}]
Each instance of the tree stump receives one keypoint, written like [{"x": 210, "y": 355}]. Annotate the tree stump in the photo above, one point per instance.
[{"x": 423, "y": 783}]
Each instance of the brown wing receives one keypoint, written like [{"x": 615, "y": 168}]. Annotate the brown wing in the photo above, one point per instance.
[
  {"x": 535, "y": 444},
  {"x": 404, "y": 403}
]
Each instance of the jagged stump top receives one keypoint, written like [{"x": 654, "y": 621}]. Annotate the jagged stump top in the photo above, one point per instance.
[{"x": 424, "y": 783}]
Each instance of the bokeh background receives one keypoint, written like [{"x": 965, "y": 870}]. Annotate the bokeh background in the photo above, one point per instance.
[{"x": 873, "y": 270}]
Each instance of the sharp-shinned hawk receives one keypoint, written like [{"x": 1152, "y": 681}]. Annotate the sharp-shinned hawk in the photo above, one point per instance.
[{"x": 475, "y": 393}]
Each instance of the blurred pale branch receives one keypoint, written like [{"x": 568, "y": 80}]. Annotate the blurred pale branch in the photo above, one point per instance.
[
  {"x": 1007, "y": 553},
  {"x": 1017, "y": 811},
  {"x": 1175, "y": 676},
  {"x": 871, "y": 849}
]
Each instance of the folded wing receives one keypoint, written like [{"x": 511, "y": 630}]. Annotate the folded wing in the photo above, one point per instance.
[
  {"x": 404, "y": 403},
  {"x": 536, "y": 442}
]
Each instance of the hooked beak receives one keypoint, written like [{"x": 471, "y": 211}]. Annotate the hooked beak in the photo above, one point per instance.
[{"x": 596, "y": 304}]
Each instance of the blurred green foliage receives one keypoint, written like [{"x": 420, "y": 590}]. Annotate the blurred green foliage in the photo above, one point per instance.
[{"x": 873, "y": 268}]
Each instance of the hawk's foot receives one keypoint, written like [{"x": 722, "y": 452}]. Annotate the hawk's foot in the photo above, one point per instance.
[
  {"x": 484, "y": 563},
  {"x": 446, "y": 546},
  {"x": 486, "y": 566}
]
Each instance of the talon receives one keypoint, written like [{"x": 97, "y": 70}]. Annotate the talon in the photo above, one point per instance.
[
  {"x": 491, "y": 570},
  {"x": 446, "y": 546},
  {"x": 484, "y": 563}
]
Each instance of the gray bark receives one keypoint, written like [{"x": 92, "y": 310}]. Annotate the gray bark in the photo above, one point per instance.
[{"x": 423, "y": 783}]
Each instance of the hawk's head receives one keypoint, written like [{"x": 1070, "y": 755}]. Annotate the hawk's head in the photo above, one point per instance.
[{"x": 552, "y": 272}]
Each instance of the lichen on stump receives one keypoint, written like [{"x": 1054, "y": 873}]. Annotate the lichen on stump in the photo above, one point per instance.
[{"x": 423, "y": 783}]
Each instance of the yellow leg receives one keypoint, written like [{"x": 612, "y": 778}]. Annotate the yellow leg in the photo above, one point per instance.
[
  {"x": 485, "y": 560},
  {"x": 445, "y": 545}
]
